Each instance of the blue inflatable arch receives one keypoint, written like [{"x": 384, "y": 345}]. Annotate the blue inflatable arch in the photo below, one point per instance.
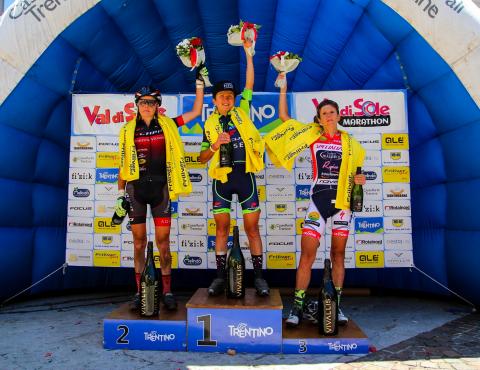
[{"x": 430, "y": 48}]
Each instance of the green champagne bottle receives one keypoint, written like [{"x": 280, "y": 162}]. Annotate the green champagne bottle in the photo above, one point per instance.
[{"x": 356, "y": 199}]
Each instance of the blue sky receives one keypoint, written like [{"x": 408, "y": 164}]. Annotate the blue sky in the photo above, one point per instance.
[{"x": 7, "y": 3}]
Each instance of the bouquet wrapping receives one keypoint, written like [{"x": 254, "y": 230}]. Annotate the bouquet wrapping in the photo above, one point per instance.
[
  {"x": 284, "y": 62},
  {"x": 238, "y": 33},
  {"x": 192, "y": 54}
]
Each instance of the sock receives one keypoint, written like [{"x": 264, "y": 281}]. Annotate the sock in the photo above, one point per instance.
[
  {"x": 339, "y": 294},
  {"x": 299, "y": 297},
  {"x": 166, "y": 280},
  {"x": 138, "y": 276},
  {"x": 221, "y": 265},
  {"x": 257, "y": 262}
]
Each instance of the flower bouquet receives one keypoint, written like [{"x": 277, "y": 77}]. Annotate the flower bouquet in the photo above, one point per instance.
[
  {"x": 238, "y": 33},
  {"x": 284, "y": 62},
  {"x": 192, "y": 54}
]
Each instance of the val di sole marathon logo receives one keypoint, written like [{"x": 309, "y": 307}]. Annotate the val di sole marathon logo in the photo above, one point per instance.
[{"x": 365, "y": 113}]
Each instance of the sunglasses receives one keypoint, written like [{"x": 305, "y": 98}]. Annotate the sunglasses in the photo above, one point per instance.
[{"x": 150, "y": 103}]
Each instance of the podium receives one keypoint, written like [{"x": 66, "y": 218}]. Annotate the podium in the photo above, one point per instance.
[
  {"x": 126, "y": 329},
  {"x": 250, "y": 324},
  {"x": 305, "y": 339}
]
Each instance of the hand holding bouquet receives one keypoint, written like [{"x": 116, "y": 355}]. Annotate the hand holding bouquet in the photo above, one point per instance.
[
  {"x": 284, "y": 62},
  {"x": 244, "y": 33},
  {"x": 192, "y": 54}
]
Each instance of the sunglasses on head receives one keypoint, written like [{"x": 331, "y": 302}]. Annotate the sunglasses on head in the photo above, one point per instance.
[{"x": 150, "y": 103}]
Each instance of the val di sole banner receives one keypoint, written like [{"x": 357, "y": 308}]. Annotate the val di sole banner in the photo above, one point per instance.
[{"x": 379, "y": 236}]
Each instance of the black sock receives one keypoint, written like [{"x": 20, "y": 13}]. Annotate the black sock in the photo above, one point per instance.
[
  {"x": 257, "y": 262},
  {"x": 221, "y": 265}
]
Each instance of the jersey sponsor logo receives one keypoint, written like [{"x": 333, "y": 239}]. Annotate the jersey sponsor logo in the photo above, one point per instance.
[
  {"x": 277, "y": 260},
  {"x": 396, "y": 174},
  {"x": 82, "y": 175},
  {"x": 106, "y": 258},
  {"x": 368, "y": 225},
  {"x": 394, "y": 141},
  {"x": 314, "y": 216},
  {"x": 369, "y": 259},
  {"x": 330, "y": 155}
]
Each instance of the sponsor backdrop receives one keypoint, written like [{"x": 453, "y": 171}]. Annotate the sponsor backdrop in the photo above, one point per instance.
[{"x": 380, "y": 236}]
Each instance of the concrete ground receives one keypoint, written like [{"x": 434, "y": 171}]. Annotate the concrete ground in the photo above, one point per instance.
[{"x": 404, "y": 333}]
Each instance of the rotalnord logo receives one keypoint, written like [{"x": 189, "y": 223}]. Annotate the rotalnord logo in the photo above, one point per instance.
[{"x": 243, "y": 331}]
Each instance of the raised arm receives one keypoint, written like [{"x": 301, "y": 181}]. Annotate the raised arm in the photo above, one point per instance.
[
  {"x": 197, "y": 104},
  {"x": 250, "y": 73},
  {"x": 282, "y": 99}
]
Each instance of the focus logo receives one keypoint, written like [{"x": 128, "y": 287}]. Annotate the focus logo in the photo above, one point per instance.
[{"x": 243, "y": 331}]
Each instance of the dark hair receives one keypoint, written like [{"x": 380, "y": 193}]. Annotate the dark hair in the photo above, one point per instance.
[{"x": 325, "y": 102}]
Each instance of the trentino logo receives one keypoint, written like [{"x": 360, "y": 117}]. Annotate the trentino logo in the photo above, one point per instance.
[
  {"x": 106, "y": 176},
  {"x": 369, "y": 225}
]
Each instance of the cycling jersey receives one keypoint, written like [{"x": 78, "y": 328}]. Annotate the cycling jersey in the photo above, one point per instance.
[
  {"x": 326, "y": 154},
  {"x": 151, "y": 187},
  {"x": 239, "y": 182}
]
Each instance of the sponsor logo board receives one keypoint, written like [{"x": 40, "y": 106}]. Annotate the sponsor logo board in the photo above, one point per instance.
[
  {"x": 369, "y": 225},
  {"x": 304, "y": 159},
  {"x": 371, "y": 208},
  {"x": 395, "y": 158},
  {"x": 276, "y": 176},
  {"x": 370, "y": 142},
  {"x": 398, "y": 258},
  {"x": 280, "y": 193},
  {"x": 105, "y": 258},
  {"x": 79, "y": 241},
  {"x": 395, "y": 141},
  {"x": 396, "y": 174},
  {"x": 192, "y": 243},
  {"x": 369, "y": 242},
  {"x": 396, "y": 190},
  {"x": 398, "y": 224},
  {"x": 106, "y": 175},
  {"x": 280, "y": 226},
  {"x": 82, "y": 159},
  {"x": 276, "y": 260},
  {"x": 104, "y": 208},
  {"x": 81, "y": 175},
  {"x": 198, "y": 176},
  {"x": 397, "y": 207},
  {"x": 108, "y": 160},
  {"x": 398, "y": 242},
  {"x": 106, "y": 192},
  {"x": 280, "y": 243},
  {"x": 372, "y": 174},
  {"x": 79, "y": 225},
  {"x": 281, "y": 209},
  {"x": 303, "y": 176},
  {"x": 369, "y": 259},
  {"x": 103, "y": 225},
  {"x": 192, "y": 260},
  {"x": 80, "y": 208},
  {"x": 79, "y": 257},
  {"x": 372, "y": 191},
  {"x": 126, "y": 259},
  {"x": 192, "y": 226},
  {"x": 81, "y": 192},
  {"x": 373, "y": 158},
  {"x": 107, "y": 143},
  {"x": 192, "y": 209},
  {"x": 107, "y": 241},
  {"x": 83, "y": 143}
]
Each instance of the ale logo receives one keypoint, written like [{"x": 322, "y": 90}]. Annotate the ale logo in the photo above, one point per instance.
[
  {"x": 104, "y": 225},
  {"x": 314, "y": 216},
  {"x": 192, "y": 160},
  {"x": 192, "y": 260},
  {"x": 107, "y": 239},
  {"x": 280, "y": 207},
  {"x": 395, "y": 156},
  {"x": 397, "y": 222},
  {"x": 369, "y": 259}
]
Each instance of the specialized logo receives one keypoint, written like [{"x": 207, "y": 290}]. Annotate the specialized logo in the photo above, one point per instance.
[{"x": 243, "y": 331}]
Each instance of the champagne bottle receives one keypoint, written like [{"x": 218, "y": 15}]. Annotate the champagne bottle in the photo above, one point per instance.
[
  {"x": 116, "y": 219},
  {"x": 235, "y": 269},
  {"x": 327, "y": 304},
  {"x": 149, "y": 286},
  {"x": 226, "y": 150},
  {"x": 356, "y": 199}
]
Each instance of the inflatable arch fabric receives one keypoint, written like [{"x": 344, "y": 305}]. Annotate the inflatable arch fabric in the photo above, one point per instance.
[{"x": 430, "y": 48}]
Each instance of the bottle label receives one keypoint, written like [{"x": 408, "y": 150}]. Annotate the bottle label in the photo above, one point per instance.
[
  {"x": 329, "y": 308},
  {"x": 149, "y": 299},
  {"x": 236, "y": 280}
]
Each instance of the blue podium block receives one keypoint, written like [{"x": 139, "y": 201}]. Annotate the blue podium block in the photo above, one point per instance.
[
  {"x": 126, "y": 329},
  {"x": 251, "y": 324},
  {"x": 305, "y": 339}
]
